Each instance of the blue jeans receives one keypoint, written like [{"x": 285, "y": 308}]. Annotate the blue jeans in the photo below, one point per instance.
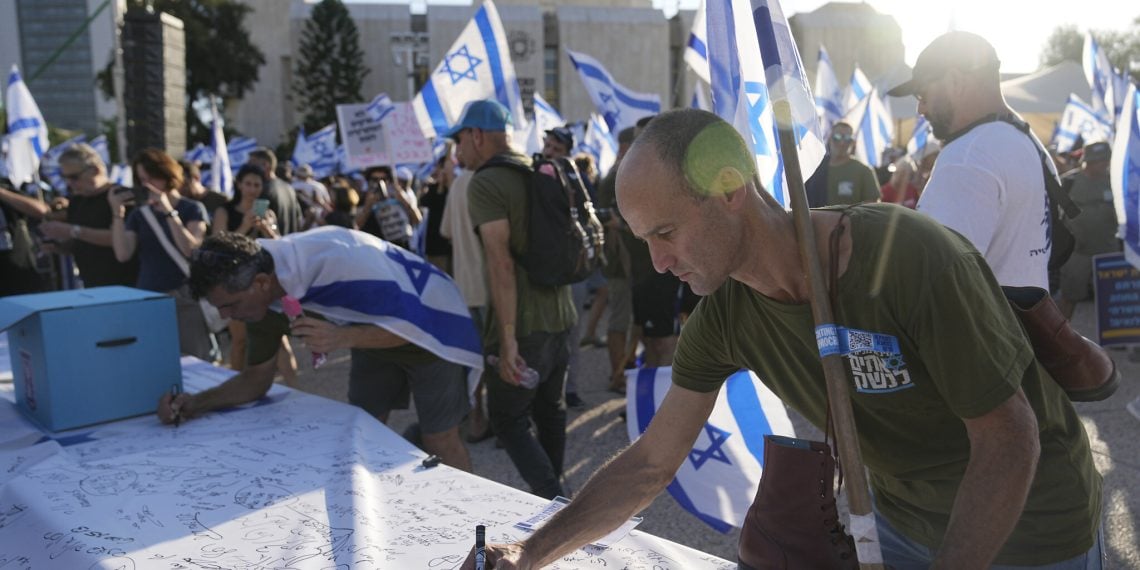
[{"x": 902, "y": 553}]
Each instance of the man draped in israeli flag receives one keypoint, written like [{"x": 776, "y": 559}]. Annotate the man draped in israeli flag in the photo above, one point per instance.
[
  {"x": 620, "y": 106},
  {"x": 27, "y": 130},
  {"x": 828, "y": 95},
  {"x": 407, "y": 325},
  {"x": 718, "y": 481},
  {"x": 1080, "y": 120},
  {"x": 477, "y": 66},
  {"x": 874, "y": 129},
  {"x": 317, "y": 150},
  {"x": 752, "y": 61}
]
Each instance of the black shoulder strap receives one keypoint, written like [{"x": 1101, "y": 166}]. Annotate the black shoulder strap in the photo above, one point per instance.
[{"x": 508, "y": 160}]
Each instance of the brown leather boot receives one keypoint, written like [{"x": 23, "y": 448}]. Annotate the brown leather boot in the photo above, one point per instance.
[
  {"x": 793, "y": 523},
  {"x": 1080, "y": 366}
]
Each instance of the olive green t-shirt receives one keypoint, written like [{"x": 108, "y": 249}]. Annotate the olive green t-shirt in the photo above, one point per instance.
[
  {"x": 851, "y": 183},
  {"x": 500, "y": 193},
  {"x": 938, "y": 343},
  {"x": 265, "y": 338}
]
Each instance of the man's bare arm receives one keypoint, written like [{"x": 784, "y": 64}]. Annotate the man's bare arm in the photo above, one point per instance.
[
  {"x": 1004, "y": 448},
  {"x": 623, "y": 487},
  {"x": 249, "y": 385}
]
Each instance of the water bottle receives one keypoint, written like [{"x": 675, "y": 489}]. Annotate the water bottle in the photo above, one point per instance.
[{"x": 529, "y": 378}]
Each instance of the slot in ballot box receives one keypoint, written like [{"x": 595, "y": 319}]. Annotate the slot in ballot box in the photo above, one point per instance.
[{"x": 91, "y": 355}]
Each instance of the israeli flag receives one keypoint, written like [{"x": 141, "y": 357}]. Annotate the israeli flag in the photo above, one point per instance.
[
  {"x": 858, "y": 89},
  {"x": 918, "y": 139},
  {"x": 696, "y": 51},
  {"x": 1080, "y": 120},
  {"x": 27, "y": 131},
  {"x": 619, "y": 106},
  {"x": 201, "y": 154},
  {"x": 222, "y": 177},
  {"x": 719, "y": 479},
  {"x": 546, "y": 117},
  {"x": 874, "y": 129},
  {"x": 753, "y": 60},
  {"x": 477, "y": 66},
  {"x": 122, "y": 175},
  {"x": 599, "y": 143},
  {"x": 238, "y": 151},
  {"x": 1125, "y": 174},
  {"x": 353, "y": 277},
  {"x": 828, "y": 95},
  {"x": 49, "y": 166},
  {"x": 380, "y": 107},
  {"x": 1101, "y": 78},
  {"x": 700, "y": 98},
  {"x": 317, "y": 150},
  {"x": 99, "y": 143}
]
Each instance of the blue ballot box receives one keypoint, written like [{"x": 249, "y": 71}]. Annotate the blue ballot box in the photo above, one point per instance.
[{"x": 91, "y": 355}]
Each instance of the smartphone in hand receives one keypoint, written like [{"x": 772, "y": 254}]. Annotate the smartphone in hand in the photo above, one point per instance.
[
  {"x": 139, "y": 195},
  {"x": 260, "y": 206}
]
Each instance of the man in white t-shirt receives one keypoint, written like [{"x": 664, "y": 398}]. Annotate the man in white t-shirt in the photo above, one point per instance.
[{"x": 988, "y": 183}]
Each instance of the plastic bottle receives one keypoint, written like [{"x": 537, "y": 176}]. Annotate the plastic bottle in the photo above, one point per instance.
[{"x": 529, "y": 378}]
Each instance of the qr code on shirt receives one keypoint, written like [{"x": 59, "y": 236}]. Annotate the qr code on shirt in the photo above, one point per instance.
[{"x": 860, "y": 341}]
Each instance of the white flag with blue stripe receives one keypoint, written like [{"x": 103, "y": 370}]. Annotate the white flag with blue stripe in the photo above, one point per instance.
[
  {"x": 27, "y": 130},
  {"x": 50, "y": 163},
  {"x": 1101, "y": 78},
  {"x": 99, "y": 143},
  {"x": 238, "y": 151},
  {"x": 620, "y": 106},
  {"x": 546, "y": 117},
  {"x": 753, "y": 60},
  {"x": 874, "y": 129},
  {"x": 700, "y": 98},
  {"x": 353, "y": 277},
  {"x": 1125, "y": 174},
  {"x": 696, "y": 50},
  {"x": 859, "y": 87},
  {"x": 318, "y": 150},
  {"x": 381, "y": 106},
  {"x": 222, "y": 179},
  {"x": 719, "y": 479},
  {"x": 828, "y": 94},
  {"x": 918, "y": 139},
  {"x": 201, "y": 154},
  {"x": 477, "y": 66},
  {"x": 1079, "y": 120},
  {"x": 599, "y": 143}
]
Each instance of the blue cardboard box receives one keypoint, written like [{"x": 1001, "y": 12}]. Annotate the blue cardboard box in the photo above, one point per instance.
[{"x": 91, "y": 355}]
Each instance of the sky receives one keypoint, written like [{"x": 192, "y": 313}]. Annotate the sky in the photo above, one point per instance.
[{"x": 1016, "y": 28}]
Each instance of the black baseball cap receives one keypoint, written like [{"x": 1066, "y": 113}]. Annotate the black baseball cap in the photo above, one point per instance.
[
  {"x": 562, "y": 135},
  {"x": 953, "y": 50},
  {"x": 1096, "y": 152}
]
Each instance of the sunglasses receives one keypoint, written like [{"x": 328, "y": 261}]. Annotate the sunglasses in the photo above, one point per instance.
[
  {"x": 842, "y": 138},
  {"x": 73, "y": 177}
]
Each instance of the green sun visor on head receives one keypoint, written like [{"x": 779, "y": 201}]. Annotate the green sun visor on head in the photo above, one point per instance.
[{"x": 717, "y": 160}]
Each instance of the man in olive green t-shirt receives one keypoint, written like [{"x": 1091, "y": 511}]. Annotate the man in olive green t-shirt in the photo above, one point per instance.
[
  {"x": 975, "y": 455},
  {"x": 848, "y": 180},
  {"x": 529, "y": 324}
]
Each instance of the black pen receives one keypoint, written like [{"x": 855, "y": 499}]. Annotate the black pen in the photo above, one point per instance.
[
  {"x": 480, "y": 547},
  {"x": 175, "y": 391}
]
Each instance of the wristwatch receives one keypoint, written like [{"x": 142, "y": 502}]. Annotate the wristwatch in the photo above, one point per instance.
[
  {"x": 171, "y": 214},
  {"x": 75, "y": 231}
]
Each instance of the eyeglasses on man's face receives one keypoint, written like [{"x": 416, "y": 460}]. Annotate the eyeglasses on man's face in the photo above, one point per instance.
[{"x": 842, "y": 138}]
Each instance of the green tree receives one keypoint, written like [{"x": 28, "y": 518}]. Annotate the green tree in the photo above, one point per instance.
[
  {"x": 329, "y": 64},
  {"x": 1066, "y": 43},
  {"x": 220, "y": 58}
]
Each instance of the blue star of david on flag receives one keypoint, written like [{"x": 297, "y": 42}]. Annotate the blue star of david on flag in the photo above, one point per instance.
[
  {"x": 757, "y": 97},
  {"x": 457, "y": 72},
  {"x": 419, "y": 271},
  {"x": 717, "y": 437}
]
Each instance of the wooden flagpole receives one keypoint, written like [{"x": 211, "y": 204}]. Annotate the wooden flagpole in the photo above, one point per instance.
[{"x": 862, "y": 525}]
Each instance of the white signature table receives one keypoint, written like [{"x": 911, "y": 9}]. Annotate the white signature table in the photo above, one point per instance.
[{"x": 292, "y": 481}]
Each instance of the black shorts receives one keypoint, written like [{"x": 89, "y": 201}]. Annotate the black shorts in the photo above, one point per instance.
[
  {"x": 655, "y": 305},
  {"x": 439, "y": 389}
]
